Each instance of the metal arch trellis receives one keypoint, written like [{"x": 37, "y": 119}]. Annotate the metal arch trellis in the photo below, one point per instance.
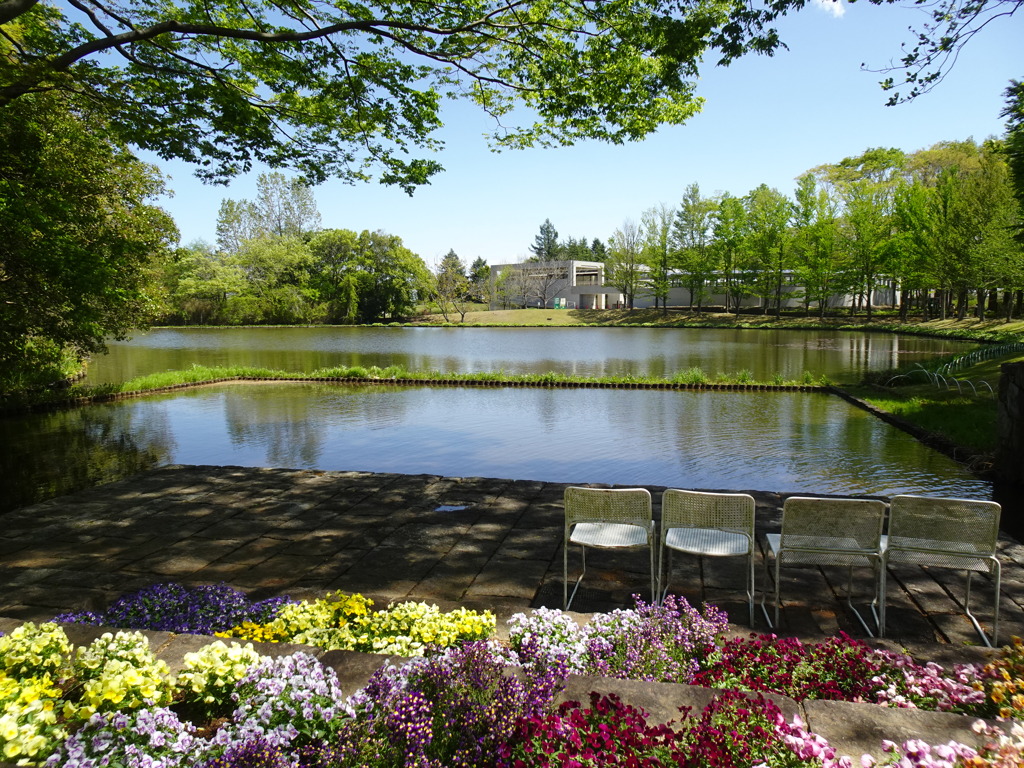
[{"x": 943, "y": 375}]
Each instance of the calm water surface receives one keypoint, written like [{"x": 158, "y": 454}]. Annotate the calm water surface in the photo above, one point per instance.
[
  {"x": 842, "y": 356},
  {"x": 786, "y": 441}
]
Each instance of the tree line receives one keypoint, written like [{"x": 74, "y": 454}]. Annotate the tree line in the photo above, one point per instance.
[
  {"x": 273, "y": 264},
  {"x": 943, "y": 224}
]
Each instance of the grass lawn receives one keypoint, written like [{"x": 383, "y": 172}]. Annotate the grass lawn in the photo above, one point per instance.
[{"x": 969, "y": 328}]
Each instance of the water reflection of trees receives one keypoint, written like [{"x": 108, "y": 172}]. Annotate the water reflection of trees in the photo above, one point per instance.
[
  {"x": 45, "y": 455},
  {"x": 292, "y": 423}
]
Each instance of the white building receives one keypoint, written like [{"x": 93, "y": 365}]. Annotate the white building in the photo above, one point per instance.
[
  {"x": 581, "y": 285},
  {"x": 555, "y": 284}
]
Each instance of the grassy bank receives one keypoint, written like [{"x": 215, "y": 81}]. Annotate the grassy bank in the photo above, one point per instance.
[
  {"x": 989, "y": 330},
  {"x": 966, "y": 420},
  {"x": 966, "y": 414}
]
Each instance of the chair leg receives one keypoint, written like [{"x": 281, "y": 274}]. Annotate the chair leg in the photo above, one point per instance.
[
  {"x": 566, "y": 597},
  {"x": 778, "y": 589},
  {"x": 655, "y": 577},
  {"x": 853, "y": 609},
  {"x": 764, "y": 589},
  {"x": 995, "y": 613},
  {"x": 882, "y": 597},
  {"x": 664, "y": 574},
  {"x": 750, "y": 587},
  {"x": 565, "y": 575}
]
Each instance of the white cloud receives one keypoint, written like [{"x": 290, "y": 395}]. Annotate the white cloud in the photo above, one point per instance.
[{"x": 835, "y": 7}]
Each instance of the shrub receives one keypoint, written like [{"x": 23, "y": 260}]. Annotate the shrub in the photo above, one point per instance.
[
  {"x": 1002, "y": 683},
  {"x": 291, "y": 701},
  {"x": 291, "y": 619},
  {"x": 406, "y": 629},
  {"x": 739, "y": 730},
  {"x": 608, "y": 732}
]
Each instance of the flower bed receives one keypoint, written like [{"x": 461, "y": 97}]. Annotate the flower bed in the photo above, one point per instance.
[{"x": 457, "y": 700}]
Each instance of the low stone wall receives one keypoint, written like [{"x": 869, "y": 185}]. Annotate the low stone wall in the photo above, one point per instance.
[{"x": 1010, "y": 424}]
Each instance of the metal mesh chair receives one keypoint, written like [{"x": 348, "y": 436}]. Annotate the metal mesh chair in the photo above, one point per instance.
[
  {"x": 945, "y": 533},
  {"x": 608, "y": 518},
  {"x": 710, "y": 524},
  {"x": 842, "y": 532}
]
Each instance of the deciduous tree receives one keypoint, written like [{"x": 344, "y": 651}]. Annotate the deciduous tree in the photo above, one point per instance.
[
  {"x": 283, "y": 208},
  {"x": 78, "y": 239},
  {"x": 819, "y": 261},
  {"x": 450, "y": 286},
  {"x": 625, "y": 268},
  {"x": 691, "y": 233},
  {"x": 366, "y": 277},
  {"x": 729, "y": 225},
  {"x": 768, "y": 214},
  {"x": 658, "y": 252},
  {"x": 350, "y": 89}
]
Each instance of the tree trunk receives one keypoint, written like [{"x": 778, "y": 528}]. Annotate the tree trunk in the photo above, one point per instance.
[
  {"x": 982, "y": 298},
  {"x": 961, "y": 304}
]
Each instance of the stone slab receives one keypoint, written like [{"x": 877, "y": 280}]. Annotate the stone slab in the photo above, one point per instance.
[{"x": 858, "y": 729}]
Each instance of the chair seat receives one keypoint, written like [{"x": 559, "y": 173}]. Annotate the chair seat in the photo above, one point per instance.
[
  {"x": 707, "y": 541},
  {"x": 609, "y": 535},
  {"x": 821, "y": 550},
  {"x": 937, "y": 552}
]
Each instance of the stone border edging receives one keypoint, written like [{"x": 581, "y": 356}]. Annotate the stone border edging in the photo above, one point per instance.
[{"x": 667, "y": 385}]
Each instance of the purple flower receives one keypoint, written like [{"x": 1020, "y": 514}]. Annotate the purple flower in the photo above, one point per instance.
[{"x": 202, "y": 610}]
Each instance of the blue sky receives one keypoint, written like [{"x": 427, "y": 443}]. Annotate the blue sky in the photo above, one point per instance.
[{"x": 765, "y": 120}]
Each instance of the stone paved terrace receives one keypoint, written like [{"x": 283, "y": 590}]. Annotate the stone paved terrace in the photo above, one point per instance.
[{"x": 477, "y": 542}]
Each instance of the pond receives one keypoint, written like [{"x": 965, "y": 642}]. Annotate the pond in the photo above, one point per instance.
[
  {"x": 773, "y": 441},
  {"x": 841, "y": 356}
]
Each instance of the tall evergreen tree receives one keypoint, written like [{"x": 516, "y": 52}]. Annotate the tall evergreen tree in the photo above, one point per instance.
[{"x": 545, "y": 245}]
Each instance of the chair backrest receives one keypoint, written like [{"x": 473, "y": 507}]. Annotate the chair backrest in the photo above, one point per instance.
[
  {"x": 607, "y": 505},
  {"x": 832, "y": 525},
  {"x": 733, "y": 512},
  {"x": 939, "y": 525}
]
